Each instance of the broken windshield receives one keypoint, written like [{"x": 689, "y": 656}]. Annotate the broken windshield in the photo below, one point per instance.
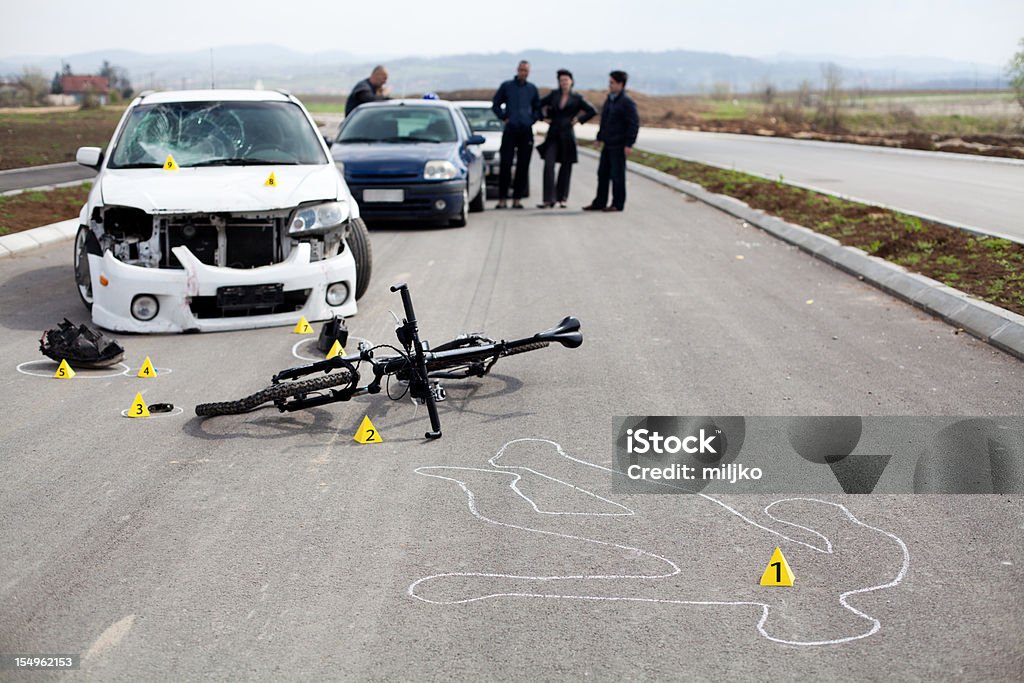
[{"x": 217, "y": 133}]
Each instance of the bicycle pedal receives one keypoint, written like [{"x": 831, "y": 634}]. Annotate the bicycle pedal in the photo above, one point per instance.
[{"x": 438, "y": 392}]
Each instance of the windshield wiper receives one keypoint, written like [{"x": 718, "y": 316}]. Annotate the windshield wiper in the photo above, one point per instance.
[
  {"x": 140, "y": 164},
  {"x": 243, "y": 162},
  {"x": 344, "y": 140}
]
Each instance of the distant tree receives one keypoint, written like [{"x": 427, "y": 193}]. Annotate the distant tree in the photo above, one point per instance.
[
  {"x": 57, "y": 85},
  {"x": 803, "y": 94},
  {"x": 721, "y": 90},
  {"x": 829, "y": 116},
  {"x": 33, "y": 87},
  {"x": 117, "y": 77},
  {"x": 1015, "y": 71}
]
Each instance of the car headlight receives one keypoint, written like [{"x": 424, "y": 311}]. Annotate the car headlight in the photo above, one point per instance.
[
  {"x": 316, "y": 219},
  {"x": 439, "y": 170}
]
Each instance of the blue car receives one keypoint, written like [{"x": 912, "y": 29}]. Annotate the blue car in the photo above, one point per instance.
[{"x": 412, "y": 160}]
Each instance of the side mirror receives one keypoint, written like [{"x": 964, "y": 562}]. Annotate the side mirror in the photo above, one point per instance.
[
  {"x": 329, "y": 141},
  {"x": 476, "y": 140},
  {"x": 89, "y": 156}
]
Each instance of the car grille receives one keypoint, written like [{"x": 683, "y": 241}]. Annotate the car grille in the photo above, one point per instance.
[
  {"x": 208, "y": 307},
  {"x": 249, "y": 242}
]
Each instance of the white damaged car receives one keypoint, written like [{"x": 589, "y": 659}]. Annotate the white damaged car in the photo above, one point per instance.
[{"x": 216, "y": 210}]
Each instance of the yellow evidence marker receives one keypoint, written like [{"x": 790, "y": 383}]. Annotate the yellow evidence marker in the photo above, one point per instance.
[
  {"x": 170, "y": 164},
  {"x": 303, "y": 327},
  {"x": 336, "y": 350},
  {"x": 138, "y": 408},
  {"x": 147, "y": 369},
  {"x": 367, "y": 433},
  {"x": 777, "y": 573},
  {"x": 64, "y": 370},
  {"x": 271, "y": 180}
]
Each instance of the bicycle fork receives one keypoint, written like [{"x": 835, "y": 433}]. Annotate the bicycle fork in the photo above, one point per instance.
[{"x": 409, "y": 336}]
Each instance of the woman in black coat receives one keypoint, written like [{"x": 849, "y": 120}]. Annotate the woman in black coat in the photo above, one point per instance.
[{"x": 562, "y": 109}]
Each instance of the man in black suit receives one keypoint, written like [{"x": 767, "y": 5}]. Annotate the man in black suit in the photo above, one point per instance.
[{"x": 620, "y": 123}]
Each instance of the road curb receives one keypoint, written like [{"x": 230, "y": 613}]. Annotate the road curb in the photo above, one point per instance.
[
  {"x": 996, "y": 326},
  {"x": 28, "y": 240}
]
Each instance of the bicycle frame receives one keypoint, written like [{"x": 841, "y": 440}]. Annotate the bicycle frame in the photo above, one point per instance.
[{"x": 415, "y": 365}]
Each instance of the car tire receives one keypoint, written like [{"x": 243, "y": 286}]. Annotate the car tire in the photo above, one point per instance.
[
  {"x": 477, "y": 205},
  {"x": 85, "y": 244},
  {"x": 358, "y": 239},
  {"x": 463, "y": 217}
]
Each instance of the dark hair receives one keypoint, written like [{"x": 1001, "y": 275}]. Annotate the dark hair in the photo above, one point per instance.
[
  {"x": 565, "y": 72},
  {"x": 619, "y": 76}
]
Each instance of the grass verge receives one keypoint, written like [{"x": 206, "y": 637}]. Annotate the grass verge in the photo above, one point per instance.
[
  {"x": 31, "y": 209},
  {"x": 990, "y": 269}
]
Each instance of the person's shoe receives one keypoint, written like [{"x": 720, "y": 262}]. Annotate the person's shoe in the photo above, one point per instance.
[
  {"x": 518, "y": 205},
  {"x": 562, "y": 205},
  {"x": 611, "y": 209},
  {"x": 545, "y": 205},
  {"x": 501, "y": 205},
  {"x": 593, "y": 207}
]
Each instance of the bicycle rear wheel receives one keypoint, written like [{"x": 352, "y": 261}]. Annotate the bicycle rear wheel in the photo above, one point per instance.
[{"x": 273, "y": 393}]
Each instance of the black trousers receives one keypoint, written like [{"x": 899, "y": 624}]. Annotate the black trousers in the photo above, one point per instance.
[
  {"x": 611, "y": 168},
  {"x": 553, "y": 193},
  {"x": 518, "y": 142}
]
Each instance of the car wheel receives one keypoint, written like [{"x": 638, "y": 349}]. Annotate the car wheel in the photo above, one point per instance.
[
  {"x": 85, "y": 244},
  {"x": 358, "y": 239},
  {"x": 463, "y": 217},
  {"x": 477, "y": 205}
]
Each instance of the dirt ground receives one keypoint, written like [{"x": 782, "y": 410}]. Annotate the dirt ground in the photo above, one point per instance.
[
  {"x": 687, "y": 113},
  {"x": 51, "y": 135}
]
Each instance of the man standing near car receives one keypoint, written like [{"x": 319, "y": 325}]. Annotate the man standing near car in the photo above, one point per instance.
[
  {"x": 369, "y": 89},
  {"x": 620, "y": 122},
  {"x": 517, "y": 104}
]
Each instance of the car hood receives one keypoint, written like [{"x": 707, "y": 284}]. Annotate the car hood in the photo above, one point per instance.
[
  {"x": 390, "y": 159},
  {"x": 221, "y": 188}
]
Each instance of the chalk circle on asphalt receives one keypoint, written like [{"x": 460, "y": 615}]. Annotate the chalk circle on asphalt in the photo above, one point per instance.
[
  {"x": 134, "y": 372},
  {"x": 297, "y": 348},
  {"x": 178, "y": 410},
  {"x": 47, "y": 368}
]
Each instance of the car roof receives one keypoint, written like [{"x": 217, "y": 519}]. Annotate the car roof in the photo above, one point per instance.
[
  {"x": 210, "y": 95},
  {"x": 444, "y": 104}
]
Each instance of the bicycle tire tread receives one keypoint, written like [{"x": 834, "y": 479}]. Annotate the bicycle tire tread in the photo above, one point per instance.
[{"x": 273, "y": 393}]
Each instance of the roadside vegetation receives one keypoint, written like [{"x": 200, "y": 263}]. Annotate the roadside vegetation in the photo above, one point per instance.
[
  {"x": 31, "y": 209},
  {"x": 989, "y": 269},
  {"x": 35, "y": 137}
]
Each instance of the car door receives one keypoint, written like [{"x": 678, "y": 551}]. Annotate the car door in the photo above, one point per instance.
[{"x": 472, "y": 155}]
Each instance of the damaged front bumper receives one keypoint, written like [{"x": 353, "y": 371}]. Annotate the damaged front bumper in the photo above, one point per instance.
[{"x": 202, "y": 298}]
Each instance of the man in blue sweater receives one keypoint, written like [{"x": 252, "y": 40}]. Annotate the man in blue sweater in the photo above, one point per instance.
[
  {"x": 620, "y": 122},
  {"x": 517, "y": 103}
]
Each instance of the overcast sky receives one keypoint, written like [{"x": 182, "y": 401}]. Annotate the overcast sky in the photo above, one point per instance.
[{"x": 983, "y": 31}]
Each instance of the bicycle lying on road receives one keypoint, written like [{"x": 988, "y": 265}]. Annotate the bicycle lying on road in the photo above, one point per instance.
[{"x": 417, "y": 367}]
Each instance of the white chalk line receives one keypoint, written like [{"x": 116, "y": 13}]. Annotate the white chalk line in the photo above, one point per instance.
[
  {"x": 79, "y": 374},
  {"x": 765, "y": 608}
]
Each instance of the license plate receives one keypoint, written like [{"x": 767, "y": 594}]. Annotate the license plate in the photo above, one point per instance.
[
  {"x": 250, "y": 296},
  {"x": 383, "y": 195}
]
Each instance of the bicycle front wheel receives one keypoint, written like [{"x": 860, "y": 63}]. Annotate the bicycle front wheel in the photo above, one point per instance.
[{"x": 273, "y": 393}]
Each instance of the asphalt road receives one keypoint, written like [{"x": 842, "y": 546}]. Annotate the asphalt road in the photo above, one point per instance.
[
  {"x": 41, "y": 176},
  {"x": 270, "y": 547},
  {"x": 985, "y": 194}
]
